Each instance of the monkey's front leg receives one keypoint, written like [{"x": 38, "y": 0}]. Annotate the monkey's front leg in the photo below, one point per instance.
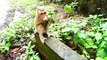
[
  {"x": 47, "y": 32},
  {"x": 42, "y": 38},
  {"x": 40, "y": 30}
]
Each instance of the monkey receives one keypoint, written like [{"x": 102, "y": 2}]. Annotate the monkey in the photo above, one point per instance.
[{"x": 41, "y": 23}]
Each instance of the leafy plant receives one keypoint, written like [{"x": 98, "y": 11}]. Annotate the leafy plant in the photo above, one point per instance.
[
  {"x": 14, "y": 32},
  {"x": 51, "y": 14},
  {"x": 29, "y": 53},
  {"x": 70, "y": 8},
  {"x": 90, "y": 34},
  {"x": 4, "y": 46},
  {"x": 20, "y": 29}
]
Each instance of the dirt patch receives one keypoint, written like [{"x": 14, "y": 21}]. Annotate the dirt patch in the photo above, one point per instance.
[
  {"x": 9, "y": 17},
  {"x": 14, "y": 53}
]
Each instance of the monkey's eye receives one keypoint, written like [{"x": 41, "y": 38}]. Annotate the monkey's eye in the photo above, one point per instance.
[
  {"x": 44, "y": 12},
  {"x": 41, "y": 13}
]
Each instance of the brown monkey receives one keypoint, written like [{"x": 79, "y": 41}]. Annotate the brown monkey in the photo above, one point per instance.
[{"x": 41, "y": 23}]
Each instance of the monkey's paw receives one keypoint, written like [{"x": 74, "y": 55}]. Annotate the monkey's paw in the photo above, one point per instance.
[
  {"x": 50, "y": 35},
  {"x": 43, "y": 40}
]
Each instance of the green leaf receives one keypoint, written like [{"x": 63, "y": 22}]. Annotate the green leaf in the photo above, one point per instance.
[
  {"x": 105, "y": 38},
  {"x": 76, "y": 40},
  {"x": 99, "y": 58},
  {"x": 105, "y": 33},
  {"x": 90, "y": 41},
  {"x": 93, "y": 16},
  {"x": 83, "y": 23},
  {"x": 32, "y": 46},
  {"x": 105, "y": 58},
  {"x": 37, "y": 57},
  {"x": 8, "y": 44},
  {"x": 66, "y": 29},
  {"x": 83, "y": 42},
  {"x": 29, "y": 44},
  {"x": 86, "y": 53},
  {"x": 75, "y": 29},
  {"x": 94, "y": 46},
  {"x": 31, "y": 58},
  {"x": 104, "y": 26},
  {"x": 101, "y": 53},
  {"x": 98, "y": 36},
  {"x": 67, "y": 8},
  {"x": 90, "y": 34},
  {"x": 69, "y": 37},
  {"x": 81, "y": 34},
  {"x": 101, "y": 45}
]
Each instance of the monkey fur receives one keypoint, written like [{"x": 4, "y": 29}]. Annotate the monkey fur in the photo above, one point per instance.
[{"x": 41, "y": 23}]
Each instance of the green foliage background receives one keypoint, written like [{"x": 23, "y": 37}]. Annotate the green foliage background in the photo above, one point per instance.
[{"x": 90, "y": 33}]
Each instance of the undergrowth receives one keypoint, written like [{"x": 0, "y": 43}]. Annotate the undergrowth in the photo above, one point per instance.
[{"x": 89, "y": 34}]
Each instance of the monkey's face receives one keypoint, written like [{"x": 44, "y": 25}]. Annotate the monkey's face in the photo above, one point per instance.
[{"x": 42, "y": 14}]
